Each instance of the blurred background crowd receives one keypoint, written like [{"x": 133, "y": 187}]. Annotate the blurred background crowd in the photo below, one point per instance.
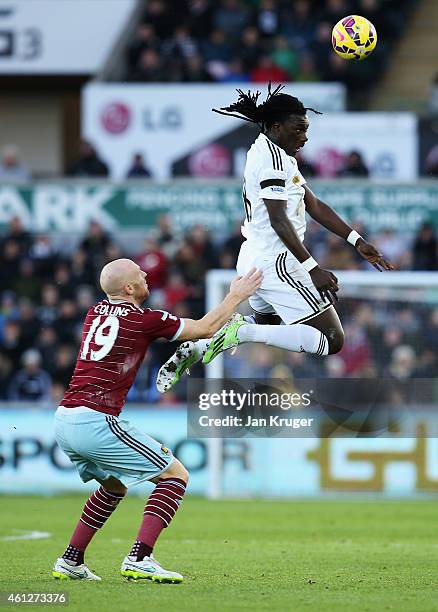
[
  {"x": 45, "y": 293},
  {"x": 257, "y": 41}
]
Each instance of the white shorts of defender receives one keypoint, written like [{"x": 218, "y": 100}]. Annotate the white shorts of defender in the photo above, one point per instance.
[
  {"x": 101, "y": 445},
  {"x": 287, "y": 289}
]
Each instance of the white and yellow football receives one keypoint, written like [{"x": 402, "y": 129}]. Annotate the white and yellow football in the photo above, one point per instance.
[{"x": 354, "y": 38}]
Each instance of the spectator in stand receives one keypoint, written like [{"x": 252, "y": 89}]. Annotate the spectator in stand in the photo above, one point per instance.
[
  {"x": 403, "y": 362},
  {"x": 194, "y": 70},
  {"x": 166, "y": 236},
  {"x": 12, "y": 345},
  {"x": 27, "y": 284},
  {"x": 5, "y": 377},
  {"x": 47, "y": 343},
  {"x": 249, "y": 48},
  {"x": 425, "y": 250},
  {"x": 307, "y": 71},
  {"x": 391, "y": 337},
  {"x": 176, "y": 291},
  {"x": 145, "y": 38},
  {"x": 81, "y": 274},
  {"x": 230, "y": 17},
  {"x": 8, "y": 310},
  {"x": 392, "y": 245},
  {"x": 200, "y": 18},
  {"x": 334, "y": 69},
  {"x": 63, "y": 281},
  {"x": 29, "y": 322},
  {"x": 162, "y": 17},
  {"x": 66, "y": 321},
  {"x": 268, "y": 19},
  {"x": 337, "y": 256},
  {"x": 17, "y": 232},
  {"x": 94, "y": 244},
  {"x": 179, "y": 45},
  {"x": 47, "y": 310},
  {"x": 31, "y": 383},
  {"x": 138, "y": 168},
  {"x": 426, "y": 364},
  {"x": 199, "y": 238},
  {"x": 65, "y": 360},
  {"x": 154, "y": 262},
  {"x": 336, "y": 9},
  {"x": 88, "y": 163},
  {"x": 355, "y": 353},
  {"x": 354, "y": 166},
  {"x": 284, "y": 57},
  {"x": 9, "y": 263},
  {"x": 149, "y": 67},
  {"x": 299, "y": 25},
  {"x": 322, "y": 48},
  {"x": 43, "y": 255},
  {"x": 236, "y": 73},
  {"x": 217, "y": 54},
  {"x": 266, "y": 71},
  {"x": 12, "y": 169}
]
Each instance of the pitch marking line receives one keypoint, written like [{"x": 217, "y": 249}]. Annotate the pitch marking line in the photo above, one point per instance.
[{"x": 22, "y": 534}]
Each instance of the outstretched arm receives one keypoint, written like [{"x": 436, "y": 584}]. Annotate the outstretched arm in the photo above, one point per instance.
[
  {"x": 240, "y": 289},
  {"x": 328, "y": 218}
]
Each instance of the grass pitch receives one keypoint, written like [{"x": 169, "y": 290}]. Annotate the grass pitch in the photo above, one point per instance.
[{"x": 239, "y": 555}]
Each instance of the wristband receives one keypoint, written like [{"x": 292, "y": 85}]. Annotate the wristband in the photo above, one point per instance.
[
  {"x": 353, "y": 237},
  {"x": 309, "y": 264}
]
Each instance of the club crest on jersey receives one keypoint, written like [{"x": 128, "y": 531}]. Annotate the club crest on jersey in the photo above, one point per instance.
[{"x": 296, "y": 179}]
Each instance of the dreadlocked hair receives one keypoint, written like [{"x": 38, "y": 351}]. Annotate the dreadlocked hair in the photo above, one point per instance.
[{"x": 277, "y": 107}]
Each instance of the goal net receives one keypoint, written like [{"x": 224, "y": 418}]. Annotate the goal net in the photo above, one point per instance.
[{"x": 391, "y": 330}]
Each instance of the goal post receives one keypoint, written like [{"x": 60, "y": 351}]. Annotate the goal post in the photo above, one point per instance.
[{"x": 387, "y": 294}]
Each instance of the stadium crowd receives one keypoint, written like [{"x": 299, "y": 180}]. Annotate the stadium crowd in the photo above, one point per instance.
[
  {"x": 45, "y": 294},
  {"x": 257, "y": 41}
]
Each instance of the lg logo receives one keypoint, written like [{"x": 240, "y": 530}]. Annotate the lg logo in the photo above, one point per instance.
[
  {"x": 116, "y": 117},
  {"x": 168, "y": 118}
]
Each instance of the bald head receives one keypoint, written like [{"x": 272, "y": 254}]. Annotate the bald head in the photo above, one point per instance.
[{"x": 116, "y": 275}]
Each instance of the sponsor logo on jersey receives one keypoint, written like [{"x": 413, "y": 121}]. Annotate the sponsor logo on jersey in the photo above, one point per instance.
[{"x": 278, "y": 189}]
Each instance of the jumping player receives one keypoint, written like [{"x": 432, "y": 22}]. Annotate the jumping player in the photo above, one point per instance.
[
  {"x": 295, "y": 291},
  {"x": 116, "y": 335}
]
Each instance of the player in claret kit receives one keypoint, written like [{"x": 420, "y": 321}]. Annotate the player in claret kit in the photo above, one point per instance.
[
  {"x": 116, "y": 335},
  {"x": 295, "y": 291}
]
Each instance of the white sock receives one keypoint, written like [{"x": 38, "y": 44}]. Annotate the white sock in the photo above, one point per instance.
[
  {"x": 298, "y": 338},
  {"x": 250, "y": 319}
]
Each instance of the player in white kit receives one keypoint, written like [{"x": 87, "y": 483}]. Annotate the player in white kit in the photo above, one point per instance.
[{"x": 295, "y": 291}]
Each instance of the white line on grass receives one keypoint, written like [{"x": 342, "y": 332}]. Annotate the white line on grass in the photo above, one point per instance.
[{"x": 22, "y": 534}]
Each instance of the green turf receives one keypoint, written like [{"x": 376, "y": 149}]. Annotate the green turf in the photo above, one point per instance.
[{"x": 247, "y": 555}]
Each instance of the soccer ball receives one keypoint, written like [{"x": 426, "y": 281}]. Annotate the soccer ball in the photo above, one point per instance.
[{"x": 354, "y": 38}]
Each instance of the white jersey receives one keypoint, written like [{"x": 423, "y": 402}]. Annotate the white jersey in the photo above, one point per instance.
[{"x": 270, "y": 173}]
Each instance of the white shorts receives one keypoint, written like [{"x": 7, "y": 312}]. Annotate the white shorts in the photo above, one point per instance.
[{"x": 287, "y": 289}]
